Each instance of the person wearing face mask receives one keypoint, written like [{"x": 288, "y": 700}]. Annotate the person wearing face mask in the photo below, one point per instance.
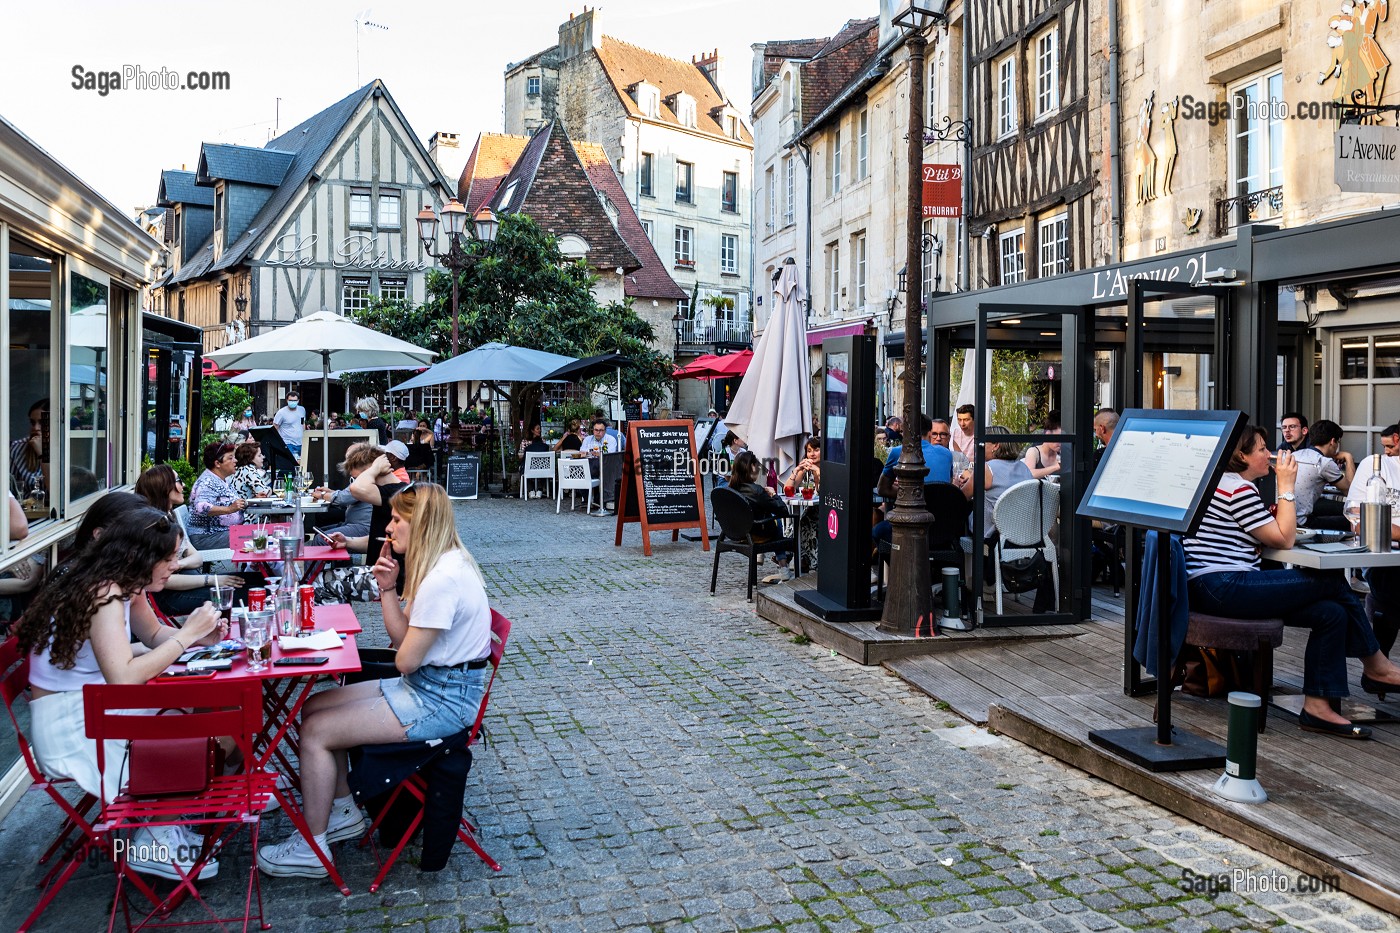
[
  {"x": 245, "y": 423},
  {"x": 289, "y": 420}
]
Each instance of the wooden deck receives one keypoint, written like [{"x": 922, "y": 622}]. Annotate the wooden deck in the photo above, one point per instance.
[{"x": 1332, "y": 807}]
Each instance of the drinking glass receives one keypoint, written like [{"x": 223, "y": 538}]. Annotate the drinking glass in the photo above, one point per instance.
[
  {"x": 257, "y": 636},
  {"x": 260, "y": 539},
  {"x": 222, "y": 598}
]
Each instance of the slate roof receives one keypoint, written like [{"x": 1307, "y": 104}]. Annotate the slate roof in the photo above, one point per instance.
[
  {"x": 491, "y": 160},
  {"x": 266, "y": 167},
  {"x": 780, "y": 50},
  {"x": 548, "y": 182},
  {"x": 652, "y": 280},
  {"x": 177, "y": 187},
  {"x": 843, "y": 57},
  {"x": 307, "y": 143},
  {"x": 626, "y": 64}
]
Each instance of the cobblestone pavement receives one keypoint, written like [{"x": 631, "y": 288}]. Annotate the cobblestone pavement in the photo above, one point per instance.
[{"x": 663, "y": 760}]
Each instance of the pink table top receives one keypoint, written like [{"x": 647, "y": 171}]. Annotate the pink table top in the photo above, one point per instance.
[{"x": 309, "y": 553}]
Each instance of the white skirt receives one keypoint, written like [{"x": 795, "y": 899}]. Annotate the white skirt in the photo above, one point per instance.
[{"x": 63, "y": 750}]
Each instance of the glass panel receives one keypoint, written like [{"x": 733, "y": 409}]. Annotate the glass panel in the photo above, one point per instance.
[
  {"x": 87, "y": 386},
  {"x": 33, "y": 291},
  {"x": 1354, "y": 359},
  {"x": 1387, "y": 357},
  {"x": 1352, "y": 410},
  {"x": 1387, "y": 402}
]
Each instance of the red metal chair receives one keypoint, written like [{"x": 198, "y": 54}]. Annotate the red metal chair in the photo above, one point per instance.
[
  {"x": 233, "y": 709},
  {"x": 415, "y": 785},
  {"x": 14, "y": 681}
]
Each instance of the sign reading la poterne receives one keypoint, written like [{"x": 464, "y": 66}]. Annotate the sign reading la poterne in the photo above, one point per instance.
[
  {"x": 1367, "y": 158},
  {"x": 356, "y": 251}
]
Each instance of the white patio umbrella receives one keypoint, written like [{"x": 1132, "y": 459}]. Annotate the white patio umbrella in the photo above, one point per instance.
[
  {"x": 319, "y": 343},
  {"x": 772, "y": 411}
]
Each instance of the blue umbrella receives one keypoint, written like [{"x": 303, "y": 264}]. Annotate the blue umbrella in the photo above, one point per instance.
[{"x": 490, "y": 362}]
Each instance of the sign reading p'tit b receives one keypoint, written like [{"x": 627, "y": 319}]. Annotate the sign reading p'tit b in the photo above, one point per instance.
[
  {"x": 942, "y": 190},
  {"x": 1366, "y": 158}
]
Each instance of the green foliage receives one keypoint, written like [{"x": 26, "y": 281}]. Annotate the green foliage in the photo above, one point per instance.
[
  {"x": 222, "y": 400},
  {"x": 1014, "y": 401},
  {"x": 582, "y": 409},
  {"x": 183, "y": 468}
]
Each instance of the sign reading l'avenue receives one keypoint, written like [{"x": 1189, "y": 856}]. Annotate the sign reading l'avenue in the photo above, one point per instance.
[{"x": 1367, "y": 158}]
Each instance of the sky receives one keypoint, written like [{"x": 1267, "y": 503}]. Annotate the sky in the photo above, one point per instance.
[{"x": 442, "y": 62}]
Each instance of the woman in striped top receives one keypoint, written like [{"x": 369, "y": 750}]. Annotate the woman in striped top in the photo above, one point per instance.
[{"x": 1222, "y": 563}]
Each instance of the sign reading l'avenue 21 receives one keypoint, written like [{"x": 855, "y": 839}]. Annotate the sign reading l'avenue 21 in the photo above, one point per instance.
[{"x": 1367, "y": 158}]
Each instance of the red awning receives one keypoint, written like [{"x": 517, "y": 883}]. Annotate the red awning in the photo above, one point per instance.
[
  {"x": 712, "y": 366},
  {"x": 815, "y": 337}
]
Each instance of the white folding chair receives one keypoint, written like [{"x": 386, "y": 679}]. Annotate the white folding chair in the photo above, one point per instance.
[
  {"x": 212, "y": 556},
  {"x": 539, "y": 464},
  {"x": 1024, "y": 515},
  {"x": 574, "y": 474}
]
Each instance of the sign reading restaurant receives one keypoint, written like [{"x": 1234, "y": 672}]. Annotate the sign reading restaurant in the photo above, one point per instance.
[
  {"x": 1367, "y": 158},
  {"x": 942, "y": 190}
]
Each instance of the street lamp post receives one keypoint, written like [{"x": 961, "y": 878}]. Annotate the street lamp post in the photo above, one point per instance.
[
  {"x": 909, "y": 597},
  {"x": 457, "y": 258}
]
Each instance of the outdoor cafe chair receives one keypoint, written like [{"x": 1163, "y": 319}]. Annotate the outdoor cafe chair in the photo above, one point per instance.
[
  {"x": 574, "y": 474},
  {"x": 1024, "y": 516},
  {"x": 433, "y": 774},
  {"x": 735, "y": 516},
  {"x": 539, "y": 465},
  {"x": 14, "y": 682},
  {"x": 209, "y": 557},
  {"x": 227, "y": 803}
]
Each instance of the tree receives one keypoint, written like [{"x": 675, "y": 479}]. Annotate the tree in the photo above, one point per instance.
[
  {"x": 524, "y": 292},
  {"x": 221, "y": 400}
]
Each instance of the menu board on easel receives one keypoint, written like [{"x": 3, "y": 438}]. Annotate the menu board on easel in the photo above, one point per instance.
[{"x": 661, "y": 482}]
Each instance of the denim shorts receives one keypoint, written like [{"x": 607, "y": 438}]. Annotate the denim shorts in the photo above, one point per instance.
[{"x": 435, "y": 702}]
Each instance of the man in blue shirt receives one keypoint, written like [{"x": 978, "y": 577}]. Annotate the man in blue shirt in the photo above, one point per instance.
[{"x": 938, "y": 466}]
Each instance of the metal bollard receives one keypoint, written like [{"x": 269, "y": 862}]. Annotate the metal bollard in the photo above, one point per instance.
[
  {"x": 952, "y": 602},
  {"x": 1238, "y": 783}
]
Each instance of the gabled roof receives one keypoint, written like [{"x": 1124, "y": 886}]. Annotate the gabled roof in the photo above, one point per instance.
[
  {"x": 836, "y": 64},
  {"x": 177, "y": 187},
  {"x": 265, "y": 167},
  {"x": 626, "y": 64},
  {"x": 307, "y": 143},
  {"x": 780, "y": 50},
  {"x": 651, "y": 280},
  {"x": 548, "y": 182},
  {"x": 491, "y": 160}
]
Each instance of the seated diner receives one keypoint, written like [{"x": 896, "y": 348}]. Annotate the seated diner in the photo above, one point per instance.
[{"x": 215, "y": 506}]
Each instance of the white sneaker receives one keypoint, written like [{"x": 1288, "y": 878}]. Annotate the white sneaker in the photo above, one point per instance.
[
  {"x": 156, "y": 850},
  {"x": 290, "y": 858},
  {"x": 345, "y": 823}
]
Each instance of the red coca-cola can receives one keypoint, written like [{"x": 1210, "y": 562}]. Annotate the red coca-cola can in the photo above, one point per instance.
[
  {"x": 257, "y": 599},
  {"x": 308, "y": 608}
]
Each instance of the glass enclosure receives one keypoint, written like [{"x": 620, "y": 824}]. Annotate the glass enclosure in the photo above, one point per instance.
[{"x": 34, "y": 293}]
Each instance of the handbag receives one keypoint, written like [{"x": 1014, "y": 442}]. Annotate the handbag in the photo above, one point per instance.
[{"x": 171, "y": 767}]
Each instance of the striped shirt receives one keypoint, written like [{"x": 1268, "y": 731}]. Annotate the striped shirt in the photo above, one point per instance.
[{"x": 1223, "y": 542}]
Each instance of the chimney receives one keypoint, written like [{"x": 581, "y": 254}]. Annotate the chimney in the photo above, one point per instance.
[
  {"x": 756, "y": 77},
  {"x": 580, "y": 34},
  {"x": 445, "y": 149},
  {"x": 708, "y": 62}
]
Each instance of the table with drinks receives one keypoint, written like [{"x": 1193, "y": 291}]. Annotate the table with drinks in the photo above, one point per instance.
[
  {"x": 286, "y": 641},
  {"x": 270, "y": 544}
]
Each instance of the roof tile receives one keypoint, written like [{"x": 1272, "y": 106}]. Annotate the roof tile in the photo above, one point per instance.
[{"x": 626, "y": 64}]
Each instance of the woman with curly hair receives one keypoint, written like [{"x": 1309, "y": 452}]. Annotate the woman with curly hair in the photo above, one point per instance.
[
  {"x": 251, "y": 479},
  {"x": 78, "y": 631},
  {"x": 443, "y": 637},
  {"x": 188, "y": 589}
]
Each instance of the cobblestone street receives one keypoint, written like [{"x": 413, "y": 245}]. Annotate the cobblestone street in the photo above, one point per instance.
[{"x": 662, "y": 760}]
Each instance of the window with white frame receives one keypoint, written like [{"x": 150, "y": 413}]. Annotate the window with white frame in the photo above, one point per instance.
[
  {"x": 647, "y": 174},
  {"x": 863, "y": 145},
  {"x": 836, "y": 161},
  {"x": 729, "y": 253},
  {"x": 931, "y": 93},
  {"x": 649, "y": 100},
  {"x": 771, "y": 189},
  {"x": 685, "y": 109},
  {"x": 433, "y": 398},
  {"x": 360, "y": 207},
  {"x": 647, "y": 228},
  {"x": 685, "y": 247},
  {"x": 685, "y": 182},
  {"x": 1256, "y": 144},
  {"x": 926, "y": 258},
  {"x": 729, "y": 192},
  {"x": 532, "y": 85},
  {"x": 731, "y": 126},
  {"x": 1006, "y": 96},
  {"x": 1047, "y": 72},
  {"x": 393, "y": 289},
  {"x": 833, "y": 277},
  {"x": 354, "y": 294},
  {"x": 1054, "y": 245},
  {"x": 790, "y": 196},
  {"x": 1013, "y": 257},
  {"x": 390, "y": 208},
  {"x": 859, "y": 257}
]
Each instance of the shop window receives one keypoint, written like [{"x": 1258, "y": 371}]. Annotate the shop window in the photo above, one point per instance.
[
  {"x": 354, "y": 294},
  {"x": 393, "y": 289},
  {"x": 1387, "y": 365},
  {"x": 33, "y": 290},
  {"x": 1355, "y": 359}
]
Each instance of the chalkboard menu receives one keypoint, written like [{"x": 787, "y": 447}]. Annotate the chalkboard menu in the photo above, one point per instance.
[
  {"x": 661, "y": 481},
  {"x": 463, "y": 471}
]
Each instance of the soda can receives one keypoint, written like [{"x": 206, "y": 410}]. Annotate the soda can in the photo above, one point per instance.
[
  {"x": 257, "y": 599},
  {"x": 308, "y": 606}
]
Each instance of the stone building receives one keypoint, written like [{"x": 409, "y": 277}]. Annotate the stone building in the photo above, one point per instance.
[{"x": 681, "y": 151}]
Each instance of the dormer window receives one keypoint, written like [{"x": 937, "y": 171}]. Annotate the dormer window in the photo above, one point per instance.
[
  {"x": 648, "y": 99},
  {"x": 219, "y": 208},
  {"x": 685, "y": 109},
  {"x": 731, "y": 126}
]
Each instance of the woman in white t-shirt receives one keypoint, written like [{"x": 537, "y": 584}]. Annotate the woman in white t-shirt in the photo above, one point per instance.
[
  {"x": 443, "y": 637},
  {"x": 1225, "y": 579}
]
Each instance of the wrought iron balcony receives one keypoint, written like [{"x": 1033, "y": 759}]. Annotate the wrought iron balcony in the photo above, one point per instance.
[
  {"x": 693, "y": 334},
  {"x": 1247, "y": 208}
]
